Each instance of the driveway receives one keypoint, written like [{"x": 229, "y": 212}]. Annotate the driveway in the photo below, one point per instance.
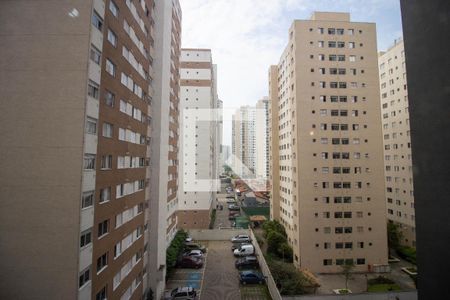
[{"x": 220, "y": 277}]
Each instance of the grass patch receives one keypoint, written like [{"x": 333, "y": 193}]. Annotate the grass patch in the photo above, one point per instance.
[
  {"x": 251, "y": 292},
  {"x": 383, "y": 288},
  {"x": 407, "y": 253}
]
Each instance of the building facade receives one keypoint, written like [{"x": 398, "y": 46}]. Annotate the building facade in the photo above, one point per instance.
[
  {"x": 198, "y": 160},
  {"x": 397, "y": 141},
  {"x": 94, "y": 75},
  {"x": 262, "y": 138},
  {"x": 331, "y": 185},
  {"x": 244, "y": 141}
]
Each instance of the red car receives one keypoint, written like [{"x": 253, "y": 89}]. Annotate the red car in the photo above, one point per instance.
[{"x": 190, "y": 262}]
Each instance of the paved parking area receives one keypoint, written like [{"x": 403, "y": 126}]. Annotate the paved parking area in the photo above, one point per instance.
[{"x": 188, "y": 277}]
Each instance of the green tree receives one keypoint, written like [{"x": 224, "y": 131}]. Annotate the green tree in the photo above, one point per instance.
[
  {"x": 347, "y": 269},
  {"x": 395, "y": 236},
  {"x": 274, "y": 240},
  {"x": 227, "y": 168},
  {"x": 274, "y": 225}
]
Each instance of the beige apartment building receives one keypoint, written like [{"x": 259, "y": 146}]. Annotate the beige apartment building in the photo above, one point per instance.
[
  {"x": 82, "y": 83},
  {"x": 199, "y": 137},
  {"x": 397, "y": 141},
  {"x": 326, "y": 127}
]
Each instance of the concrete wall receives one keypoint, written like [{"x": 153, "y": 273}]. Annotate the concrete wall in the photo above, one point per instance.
[
  {"x": 215, "y": 234},
  {"x": 372, "y": 296}
]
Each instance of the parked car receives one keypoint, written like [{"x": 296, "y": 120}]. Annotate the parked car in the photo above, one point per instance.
[
  {"x": 234, "y": 207},
  {"x": 190, "y": 262},
  {"x": 241, "y": 238},
  {"x": 247, "y": 262},
  {"x": 236, "y": 245},
  {"x": 188, "y": 239},
  {"x": 181, "y": 293},
  {"x": 251, "y": 277},
  {"x": 244, "y": 250},
  {"x": 195, "y": 253},
  {"x": 231, "y": 201},
  {"x": 194, "y": 246}
]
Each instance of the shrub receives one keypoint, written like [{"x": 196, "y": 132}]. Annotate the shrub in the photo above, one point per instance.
[
  {"x": 380, "y": 280},
  {"x": 285, "y": 252},
  {"x": 274, "y": 240},
  {"x": 175, "y": 249},
  {"x": 287, "y": 278},
  {"x": 275, "y": 226},
  {"x": 213, "y": 219},
  {"x": 407, "y": 253}
]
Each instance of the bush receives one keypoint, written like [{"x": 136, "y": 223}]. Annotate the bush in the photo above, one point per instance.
[
  {"x": 287, "y": 278},
  {"x": 274, "y": 240},
  {"x": 407, "y": 253},
  {"x": 380, "y": 280},
  {"x": 275, "y": 226},
  {"x": 175, "y": 249},
  {"x": 213, "y": 219}
]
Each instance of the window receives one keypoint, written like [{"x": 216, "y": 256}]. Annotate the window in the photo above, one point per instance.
[
  {"x": 85, "y": 238},
  {"x": 113, "y": 9},
  {"x": 341, "y": 44},
  {"x": 84, "y": 276},
  {"x": 110, "y": 68},
  {"x": 95, "y": 55},
  {"x": 331, "y": 31},
  {"x": 97, "y": 21},
  {"x": 102, "y": 262},
  {"x": 352, "y": 58},
  {"x": 341, "y": 57},
  {"x": 321, "y": 57},
  {"x": 87, "y": 199},
  {"x": 351, "y": 45},
  {"x": 109, "y": 98},
  {"x": 106, "y": 162},
  {"x": 89, "y": 161},
  {"x": 320, "y": 30},
  {"x": 105, "y": 195},
  {"x": 103, "y": 228},
  {"x": 93, "y": 89},
  {"x": 351, "y": 31},
  {"x": 107, "y": 130},
  {"x": 360, "y": 261},
  {"x": 112, "y": 37},
  {"x": 101, "y": 295},
  {"x": 320, "y": 44},
  {"x": 91, "y": 126},
  {"x": 340, "y": 31},
  {"x": 327, "y": 262},
  {"x": 332, "y": 44}
]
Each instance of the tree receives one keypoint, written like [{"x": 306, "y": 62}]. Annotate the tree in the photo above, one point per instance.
[
  {"x": 274, "y": 240},
  {"x": 274, "y": 225},
  {"x": 227, "y": 168},
  {"x": 347, "y": 269},
  {"x": 394, "y": 235}
]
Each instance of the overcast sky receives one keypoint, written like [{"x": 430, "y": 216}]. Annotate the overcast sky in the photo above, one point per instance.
[{"x": 247, "y": 36}]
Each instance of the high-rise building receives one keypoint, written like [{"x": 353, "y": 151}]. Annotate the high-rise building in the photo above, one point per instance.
[
  {"x": 164, "y": 164},
  {"x": 397, "y": 141},
  {"x": 86, "y": 77},
  {"x": 331, "y": 185},
  {"x": 244, "y": 141},
  {"x": 198, "y": 160},
  {"x": 274, "y": 146},
  {"x": 262, "y": 138}
]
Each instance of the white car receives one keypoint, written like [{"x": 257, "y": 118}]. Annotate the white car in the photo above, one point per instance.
[
  {"x": 195, "y": 253},
  {"x": 241, "y": 238},
  {"x": 188, "y": 239}
]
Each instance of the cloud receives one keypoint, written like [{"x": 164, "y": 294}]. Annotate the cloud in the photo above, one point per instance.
[{"x": 247, "y": 36}]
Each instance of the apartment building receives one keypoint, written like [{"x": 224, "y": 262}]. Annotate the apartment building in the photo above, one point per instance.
[
  {"x": 397, "y": 140},
  {"x": 262, "y": 138},
  {"x": 274, "y": 161},
  {"x": 84, "y": 73},
  {"x": 330, "y": 196},
  {"x": 244, "y": 141},
  {"x": 198, "y": 160},
  {"x": 164, "y": 165}
]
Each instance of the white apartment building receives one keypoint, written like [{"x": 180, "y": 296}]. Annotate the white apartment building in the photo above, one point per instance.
[
  {"x": 244, "y": 141},
  {"x": 262, "y": 138},
  {"x": 397, "y": 141},
  {"x": 198, "y": 159}
]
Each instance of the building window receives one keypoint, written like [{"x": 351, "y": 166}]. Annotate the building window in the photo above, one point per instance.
[
  {"x": 331, "y": 31},
  {"x": 103, "y": 228},
  {"x": 352, "y": 58},
  {"x": 101, "y": 295},
  {"x": 108, "y": 130},
  {"x": 93, "y": 89},
  {"x": 109, "y": 98},
  {"x": 85, "y": 238},
  {"x": 340, "y": 31},
  {"x": 360, "y": 261},
  {"x": 105, "y": 195},
  {"x": 351, "y": 45},
  {"x": 112, "y": 37},
  {"x": 102, "y": 262},
  {"x": 91, "y": 126},
  {"x": 113, "y": 9},
  {"x": 87, "y": 199},
  {"x": 89, "y": 161},
  {"x": 95, "y": 55},
  {"x": 106, "y": 162},
  {"x": 110, "y": 68},
  {"x": 327, "y": 262},
  {"x": 84, "y": 276},
  {"x": 97, "y": 21}
]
